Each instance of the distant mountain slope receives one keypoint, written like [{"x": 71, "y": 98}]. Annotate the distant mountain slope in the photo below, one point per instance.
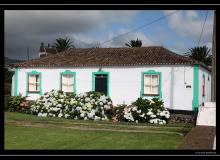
[{"x": 11, "y": 61}]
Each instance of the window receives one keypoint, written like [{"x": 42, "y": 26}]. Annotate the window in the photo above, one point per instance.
[
  {"x": 151, "y": 84},
  {"x": 34, "y": 83},
  {"x": 203, "y": 86},
  {"x": 67, "y": 81}
]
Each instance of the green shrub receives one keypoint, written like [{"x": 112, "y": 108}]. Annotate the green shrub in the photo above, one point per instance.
[
  {"x": 143, "y": 104},
  {"x": 14, "y": 103}
]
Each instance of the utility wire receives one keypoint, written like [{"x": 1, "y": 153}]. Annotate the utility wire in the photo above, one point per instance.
[
  {"x": 135, "y": 29},
  {"x": 202, "y": 28}
]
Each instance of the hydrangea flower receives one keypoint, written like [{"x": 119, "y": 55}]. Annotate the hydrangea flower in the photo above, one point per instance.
[
  {"x": 85, "y": 105},
  {"x": 87, "y": 99},
  {"x": 60, "y": 115}
]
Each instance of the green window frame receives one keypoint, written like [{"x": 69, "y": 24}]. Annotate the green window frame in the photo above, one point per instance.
[
  {"x": 27, "y": 82},
  {"x": 68, "y": 72},
  {"x": 151, "y": 72},
  {"x": 108, "y": 80}
]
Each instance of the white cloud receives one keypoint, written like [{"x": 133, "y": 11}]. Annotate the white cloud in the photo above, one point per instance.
[
  {"x": 179, "y": 48},
  {"x": 121, "y": 40},
  {"x": 189, "y": 24}
]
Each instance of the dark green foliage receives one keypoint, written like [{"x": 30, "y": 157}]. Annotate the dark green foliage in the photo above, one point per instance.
[
  {"x": 6, "y": 98},
  {"x": 63, "y": 44},
  {"x": 41, "y": 47},
  {"x": 7, "y": 82},
  {"x": 143, "y": 104},
  {"x": 201, "y": 54},
  {"x": 134, "y": 43},
  {"x": 14, "y": 103},
  {"x": 7, "y": 88},
  {"x": 157, "y": 105},
  {"x": 8, "y": 76}
]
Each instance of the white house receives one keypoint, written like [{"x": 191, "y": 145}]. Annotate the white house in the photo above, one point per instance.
[{"x": 124, "y": 74}]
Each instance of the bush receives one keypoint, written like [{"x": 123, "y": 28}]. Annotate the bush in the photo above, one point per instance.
[
  {"x": 6, "y": 99},
  {"x": 143, "y": 110},
  {"x": 89, "y": 105},
  {"x": 14, "y": 102},
  {"x": 119, "y": 112}
]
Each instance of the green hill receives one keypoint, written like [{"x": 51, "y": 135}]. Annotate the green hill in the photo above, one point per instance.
[{"x": 11, "y": 61}]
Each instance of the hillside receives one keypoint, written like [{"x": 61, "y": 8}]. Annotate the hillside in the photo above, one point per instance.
[{"x": 11, "y": 61}]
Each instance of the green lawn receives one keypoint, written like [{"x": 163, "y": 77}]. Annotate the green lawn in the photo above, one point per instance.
[{"x": 24, "y": 131}]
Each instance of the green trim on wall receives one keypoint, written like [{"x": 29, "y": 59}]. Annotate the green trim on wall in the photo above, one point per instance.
[
  {"x": 16, "y": 82},
  {"x": 32, "y": 73},
  {"x": 203, "y": 76},
  {"x": 195, "y": 102},
  {"x": 142, "y": 83},
  {"x": 108, "y": 81},
  {"x": 74, "y": 75}
]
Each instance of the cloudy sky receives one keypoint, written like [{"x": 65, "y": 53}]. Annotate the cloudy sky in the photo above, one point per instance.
[{"x": 86, "y": 28}]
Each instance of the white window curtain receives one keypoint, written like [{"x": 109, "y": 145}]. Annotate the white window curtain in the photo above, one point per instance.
[
  {"x": 67, "y": 83},
  {"x": 155, "y": 84},
  {"x": 151, "y": 83},
  {"x": 37, "y": 82},
  {"x": 34, "y": 83},
  {"x": 147, "y": 84}
]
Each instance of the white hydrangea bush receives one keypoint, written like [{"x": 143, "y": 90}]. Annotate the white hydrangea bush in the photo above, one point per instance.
[
  {"x": 85, "y": 106},
  {"x": 143, "y": 110}
]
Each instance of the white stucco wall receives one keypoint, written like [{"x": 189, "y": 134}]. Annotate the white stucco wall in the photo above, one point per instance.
[
  {"x": 207, "y": 97},
  {"x": 183, "y": 96},
  {"x": 125, "y": 83}
]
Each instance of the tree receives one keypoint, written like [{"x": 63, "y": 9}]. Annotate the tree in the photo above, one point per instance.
[
  {"x": 62, "y": 44},
  {"x": 42, "y": 47},
  {"x": 134, "y": 43},
  {"x": 201, "y": 54}
]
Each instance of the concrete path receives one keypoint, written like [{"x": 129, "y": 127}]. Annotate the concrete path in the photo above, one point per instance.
[{"x": 199, "y": 138}]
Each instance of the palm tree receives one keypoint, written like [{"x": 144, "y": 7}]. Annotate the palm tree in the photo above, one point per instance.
[
  {"x": 62, "y": 44},
  {"x": 134, "y": 43},
  {"x": 201, "y": 54}
]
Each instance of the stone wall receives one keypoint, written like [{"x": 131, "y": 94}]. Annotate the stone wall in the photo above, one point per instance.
[{"x": 181, "y": 118}]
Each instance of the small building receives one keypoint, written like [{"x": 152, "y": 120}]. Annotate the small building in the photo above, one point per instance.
[
  {"x": 124, "y": 74},
  {"x": 44, "y": 51}
]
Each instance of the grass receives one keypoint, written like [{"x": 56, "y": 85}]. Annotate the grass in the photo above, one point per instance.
[{"x": 58, "y": 133}]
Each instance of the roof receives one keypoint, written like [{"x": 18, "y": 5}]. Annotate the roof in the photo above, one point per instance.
[{"x": 82, "y": 57}]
